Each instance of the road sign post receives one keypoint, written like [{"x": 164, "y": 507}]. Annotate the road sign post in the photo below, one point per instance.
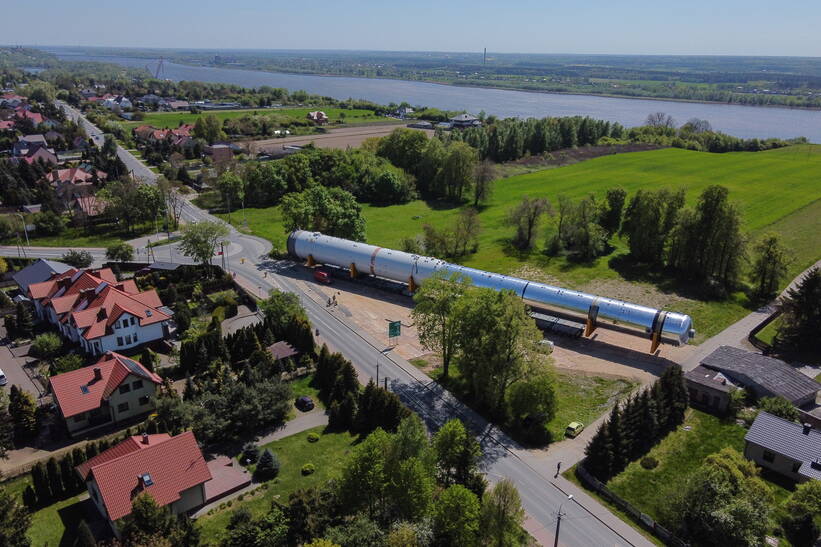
[{"x": 394, "y": 330}]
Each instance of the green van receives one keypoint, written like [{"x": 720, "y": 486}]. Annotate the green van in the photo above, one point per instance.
[{"x": 573, "y": 429}]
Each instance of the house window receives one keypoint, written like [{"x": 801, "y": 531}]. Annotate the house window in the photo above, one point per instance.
[
  {"x": 144, "y": 400},
  {"x": 769, "y": 457},
  {"x": 137, "y": 385},
  {"x": 80, "y": 418},
  {"x": 135, "y": 336},
  {"x": 133, "y": 320},
  {"x": 125, "y": 388},
  {"x": 119, "y": 340},
  {"x": 94, "y": 494},
  {"x": 122, "y": 407},
  {"x": 128, "y": 339},
  {"x": 796, "y": 466},
  {"x": 96, "y": 346}
]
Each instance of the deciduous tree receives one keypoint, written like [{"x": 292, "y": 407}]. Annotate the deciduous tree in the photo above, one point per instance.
[
  {"x": 200, "y": 240},
  {"x": 433, "y": 315},
  {"x": 502, "y": 516},
  {"x": 525, "y": 217},
  {"x": 332, "y": 211}
]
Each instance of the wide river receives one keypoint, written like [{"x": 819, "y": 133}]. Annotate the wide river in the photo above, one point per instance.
[{"x": 742, "y": 121}]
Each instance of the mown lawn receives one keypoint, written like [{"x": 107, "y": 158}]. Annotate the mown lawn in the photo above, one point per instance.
[
  {"x": 55, "y": 524},
  {"x": 74, "y": 237},
  {"x": 302, "y": 386},
  {"x": 679, "y": 455},
  {"x": 583, "y": 399},
  {"x": 328, "y": 455},
  {"x": 174, "y": 119},
  {"x": 776, "y": 191}
]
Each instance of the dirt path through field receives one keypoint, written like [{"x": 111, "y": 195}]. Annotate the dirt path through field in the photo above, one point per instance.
[{"x": 342, "y": 138}]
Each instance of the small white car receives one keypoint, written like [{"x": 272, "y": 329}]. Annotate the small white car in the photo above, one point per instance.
[{"x": 3, "y": 379}]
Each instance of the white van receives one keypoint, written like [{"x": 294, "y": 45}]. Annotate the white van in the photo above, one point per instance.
[{"x": 3, "y": 380}]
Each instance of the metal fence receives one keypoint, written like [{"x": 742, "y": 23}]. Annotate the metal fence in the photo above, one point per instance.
[{"x": 644, "y": 519}]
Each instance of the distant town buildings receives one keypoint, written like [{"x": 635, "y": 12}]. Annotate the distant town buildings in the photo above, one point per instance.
[{"x": 318, "y": 117}]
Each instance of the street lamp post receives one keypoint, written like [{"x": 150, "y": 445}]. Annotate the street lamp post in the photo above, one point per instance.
[{"x": 559, "y": 515}]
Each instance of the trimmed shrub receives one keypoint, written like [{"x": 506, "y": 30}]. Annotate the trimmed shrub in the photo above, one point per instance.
[
  {"x": 313, "y": 437},
  {"x": 649, "y": 462},
  {"x": 308, "y": 469}
]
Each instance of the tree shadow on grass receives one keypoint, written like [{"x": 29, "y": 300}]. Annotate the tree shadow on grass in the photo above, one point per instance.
[
  {"x": 669, "y": 282},
  {"x": 73, "y": 514}
]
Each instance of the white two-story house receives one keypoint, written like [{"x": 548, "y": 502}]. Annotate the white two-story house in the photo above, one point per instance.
[{"x": 93, "y": 309}]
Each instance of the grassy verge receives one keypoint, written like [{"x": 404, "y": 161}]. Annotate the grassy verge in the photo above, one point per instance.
[
  {"x": 791, "y": 209},
  {"x": 293, "y": 452},
  {"x": 74, "y": 237}
]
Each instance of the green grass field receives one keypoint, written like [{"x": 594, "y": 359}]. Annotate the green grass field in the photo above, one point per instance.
[
  {"x": 55, "y": 524},
  {"x": 583, "y": 399},
  {"x": 327, "y": 454},
  {"x": 778, "y": 191},
  {"x": 174, "y": 119},
  {"x": 679, "y": 455}
]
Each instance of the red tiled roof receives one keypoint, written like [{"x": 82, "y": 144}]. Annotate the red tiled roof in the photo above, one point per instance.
[
  {"x": 128, "y": 446},
  {"x": 12, "y": 96},
  {"x": 74, "y": 174},
  {"x": 174, "y": 465},
  {"x": 33, "y": 116},
  {"x": 6, "y": 125},
  {"x": 95, "y": 301},
  {"x": 91, "y": 205},
  {"x": 114, "y": 368}
]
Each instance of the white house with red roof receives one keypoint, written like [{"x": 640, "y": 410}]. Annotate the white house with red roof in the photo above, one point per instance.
[
  {"x": 98, "y": 312},
  {"x": 116, "y": 388},
  {"x": 170, "y": 469}
]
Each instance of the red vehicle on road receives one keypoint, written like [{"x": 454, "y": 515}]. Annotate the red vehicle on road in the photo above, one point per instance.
[{"x": 322, "y": 276}]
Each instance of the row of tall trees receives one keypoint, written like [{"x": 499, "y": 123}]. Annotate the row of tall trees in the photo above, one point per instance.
[{"x": 636, "y": 425}]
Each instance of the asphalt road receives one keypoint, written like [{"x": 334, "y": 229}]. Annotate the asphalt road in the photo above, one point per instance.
[{"x": 541, "y": 498}]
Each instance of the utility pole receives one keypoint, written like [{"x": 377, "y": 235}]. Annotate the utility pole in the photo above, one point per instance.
[
  {"x": 26, "y": 230},
  {"x": 377, "y": 370},
  {"x": 559, "y": 515}
]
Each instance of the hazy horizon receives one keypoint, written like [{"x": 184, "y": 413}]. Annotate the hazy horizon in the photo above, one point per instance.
[{"x": 640, "y": 27}]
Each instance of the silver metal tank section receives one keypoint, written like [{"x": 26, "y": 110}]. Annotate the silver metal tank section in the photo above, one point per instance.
[{"x": 414, "y": 269}]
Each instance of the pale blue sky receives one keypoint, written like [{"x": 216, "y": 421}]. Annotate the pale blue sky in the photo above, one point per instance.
[{"x": 721, "y": 27}]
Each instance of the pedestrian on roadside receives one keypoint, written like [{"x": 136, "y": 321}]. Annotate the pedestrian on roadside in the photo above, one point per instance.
[{"x": 558, "y": 468}]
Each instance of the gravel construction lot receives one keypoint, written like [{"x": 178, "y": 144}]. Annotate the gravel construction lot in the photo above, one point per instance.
[
  {"x": 608, "y": 352},
  {"x": 342, "y": 138}
]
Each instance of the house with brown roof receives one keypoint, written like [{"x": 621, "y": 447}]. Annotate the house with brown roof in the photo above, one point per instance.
[
  {"x": 115, "y": 389},
  {"x": 101, "y": 314},
  {"x": 172, "y": 470}
]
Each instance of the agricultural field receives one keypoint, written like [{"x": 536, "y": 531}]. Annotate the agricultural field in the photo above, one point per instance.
[
  {"x": 174, "y": 119},
  {"x": 778, "y": 190}
]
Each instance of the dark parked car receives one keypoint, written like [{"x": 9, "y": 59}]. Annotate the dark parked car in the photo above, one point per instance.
[{"x": 304, "y": 403}]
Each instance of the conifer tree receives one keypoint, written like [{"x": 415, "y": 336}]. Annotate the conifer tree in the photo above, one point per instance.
[
  {"x": 23, "y": 412},
  {"x": 599, "y": 452},
  {"x": 42, "y": 487},
  {"x": 55, "y": 478},
  {"x": 70, "y": 484},
  {"x": 615, "y": 429}
]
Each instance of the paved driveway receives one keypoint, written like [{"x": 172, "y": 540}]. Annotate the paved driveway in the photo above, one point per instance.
[{"x": 13, "y": 368}]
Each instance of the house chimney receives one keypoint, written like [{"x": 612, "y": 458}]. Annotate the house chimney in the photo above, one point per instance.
[
  {"x": 98, "y": 374},
  {"x": 807, "y": 428},
  {"x": 145, "y": 438}
]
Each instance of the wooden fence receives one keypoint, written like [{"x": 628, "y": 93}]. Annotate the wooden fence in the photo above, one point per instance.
[{"x": 646, "y": 521}]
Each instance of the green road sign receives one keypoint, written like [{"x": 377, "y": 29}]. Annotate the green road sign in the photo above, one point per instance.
[{"x": 394, "y": 329}]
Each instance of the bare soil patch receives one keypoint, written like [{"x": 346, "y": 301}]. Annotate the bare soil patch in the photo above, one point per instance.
[{"x": 341, "y": 138}]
